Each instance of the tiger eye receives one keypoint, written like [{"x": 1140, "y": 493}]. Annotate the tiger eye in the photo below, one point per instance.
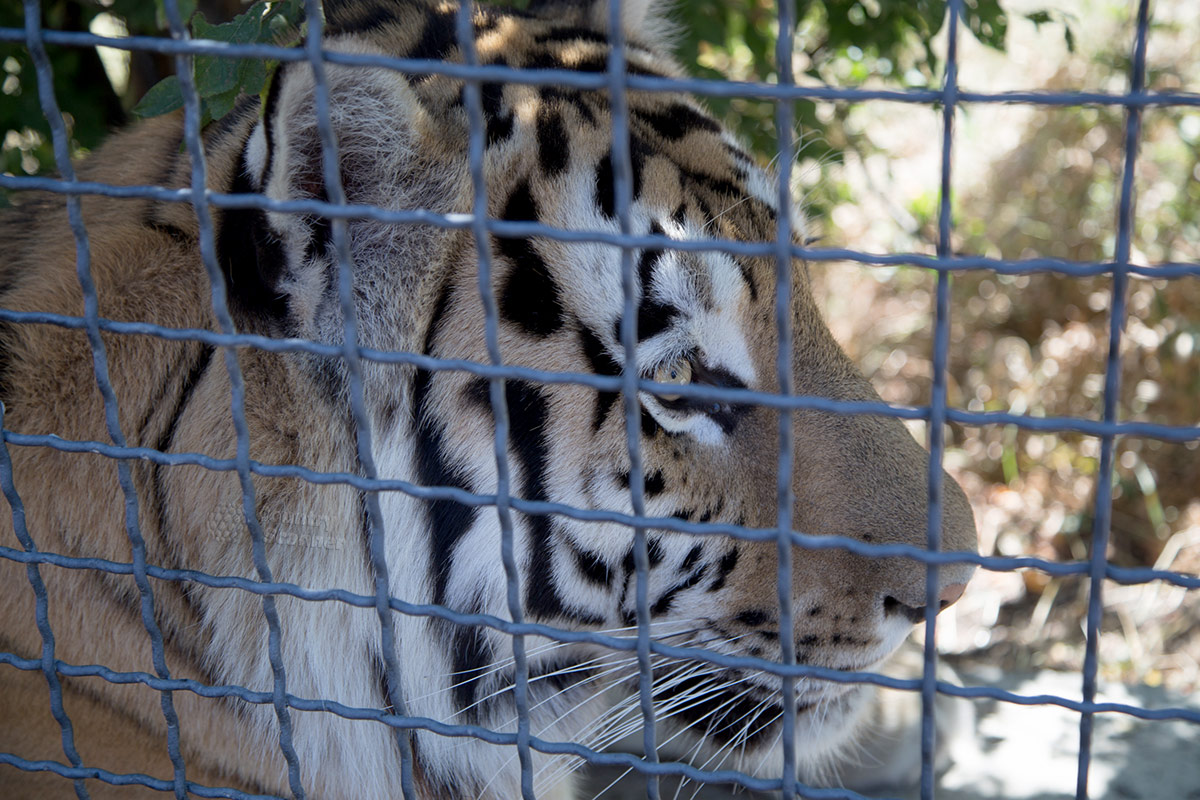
[{"x": 679, "y": 372}]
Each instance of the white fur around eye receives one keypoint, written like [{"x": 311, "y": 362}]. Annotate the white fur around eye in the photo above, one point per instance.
[{"x": 692, "y": 422}]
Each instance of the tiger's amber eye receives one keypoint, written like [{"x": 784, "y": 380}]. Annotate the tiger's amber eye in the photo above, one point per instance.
[{"x": 676, "y": 372}]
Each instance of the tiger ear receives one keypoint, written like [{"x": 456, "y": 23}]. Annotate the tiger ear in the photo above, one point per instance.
[
  {"x": 383, "y": 135},
  {"x": 390, "y": 154},
  {"x": 642, "y": 21}
]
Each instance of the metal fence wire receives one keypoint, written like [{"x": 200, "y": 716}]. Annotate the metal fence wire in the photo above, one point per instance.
[{"x": 616, "y": 80}]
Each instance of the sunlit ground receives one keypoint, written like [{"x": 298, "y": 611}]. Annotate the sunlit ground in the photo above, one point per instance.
[{"x": 1044, "y": 182}]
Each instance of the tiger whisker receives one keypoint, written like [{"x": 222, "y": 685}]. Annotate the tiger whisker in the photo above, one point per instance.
[
  {"x": 613, "y": 733},
  {"x": 554, "y": 645},
  {"x": 624, "y": 714},
  {"x": 627, "y": 716},
  {"x": 615, "y": 781},
  {"x": 774, "y": 743},
  {"x": 566, "y": 670},
  {"x": 746, "y": 734},
  {"x": 713, "y": 719},
  {"x": 500, "y": 666},
  {"x": 621, "y": 720},
  {"x": 565, "y": 765}
]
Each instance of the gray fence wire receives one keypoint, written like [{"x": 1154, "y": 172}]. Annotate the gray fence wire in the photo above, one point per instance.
[{"x": 617, "y": 81}]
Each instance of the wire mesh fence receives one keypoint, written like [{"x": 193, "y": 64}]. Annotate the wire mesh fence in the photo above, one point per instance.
[{"x": 616, "y": 80}]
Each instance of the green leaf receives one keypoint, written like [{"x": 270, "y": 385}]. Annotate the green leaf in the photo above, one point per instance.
[
  {"x": 283, "y": 14},
  {"x": 186, "y": 9},
  {"x": 163, "y": 98},
  {"x": 242, "y": 29},
  {"x": 988, "y": 22},
  {"x": 252, "y": 75},
  {"x": 216, "y": 75},
  {"x": 219, "y": 105}
]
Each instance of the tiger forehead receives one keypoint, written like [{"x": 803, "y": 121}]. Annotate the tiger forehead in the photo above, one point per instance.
[
  {"x": 427, "y": 29},
  {"x": 682, "y": 160}
]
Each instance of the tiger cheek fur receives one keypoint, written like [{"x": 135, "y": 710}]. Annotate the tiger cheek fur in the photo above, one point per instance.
[{"x": 704, "y": 317}]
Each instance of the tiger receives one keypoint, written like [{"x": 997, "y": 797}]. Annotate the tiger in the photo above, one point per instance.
[{"x": 705, "y": 318}]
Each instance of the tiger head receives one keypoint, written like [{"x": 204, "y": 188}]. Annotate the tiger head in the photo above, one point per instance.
[{"x": 704, "y": 318}]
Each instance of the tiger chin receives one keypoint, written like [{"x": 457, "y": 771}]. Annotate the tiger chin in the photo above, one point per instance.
[{"x": 705, "y": 318}]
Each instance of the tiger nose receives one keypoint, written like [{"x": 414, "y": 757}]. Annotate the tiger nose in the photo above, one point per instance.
[{"x": 947, "y": 597}]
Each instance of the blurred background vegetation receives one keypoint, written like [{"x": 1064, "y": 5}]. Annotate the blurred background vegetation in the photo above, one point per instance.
[{"x": 1029, "y": 181}]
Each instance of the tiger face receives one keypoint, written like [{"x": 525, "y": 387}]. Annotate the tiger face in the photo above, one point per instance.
[{"x": 705, "y": 318}]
